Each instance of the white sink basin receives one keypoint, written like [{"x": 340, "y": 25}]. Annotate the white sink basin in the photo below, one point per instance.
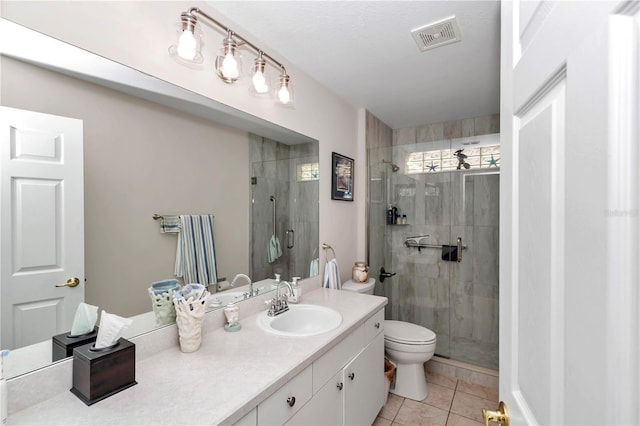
[{"x": 301, "y": 320}]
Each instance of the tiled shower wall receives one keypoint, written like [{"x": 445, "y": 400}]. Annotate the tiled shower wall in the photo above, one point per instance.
[
  {"x": 458, "y": 301},
  {"x": 274, "y": 165}
]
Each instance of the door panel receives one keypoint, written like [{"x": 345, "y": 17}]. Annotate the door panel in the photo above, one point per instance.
[
  {"x": 42, "y": 225},
  {"x": 569, "y": 332}
]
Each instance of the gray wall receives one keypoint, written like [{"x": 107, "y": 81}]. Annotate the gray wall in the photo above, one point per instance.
[
  {"x": 141, "y": 159},
  {"x": 458, "y": 301}
]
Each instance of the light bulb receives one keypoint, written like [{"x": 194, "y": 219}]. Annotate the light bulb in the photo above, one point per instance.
[
  {"x": 260, "y": 82},
  {"x": 230, "y": 66},
  {"x": 283, "y": 94},
  {"x": 187, "y": 45}
]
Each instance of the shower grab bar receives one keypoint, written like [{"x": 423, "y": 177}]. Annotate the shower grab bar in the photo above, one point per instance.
[
  {"x": 273, "y": 200},
  {"x": 435, "y": 246}
]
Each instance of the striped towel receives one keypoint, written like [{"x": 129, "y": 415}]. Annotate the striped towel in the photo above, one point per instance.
[
  {"x": 332, "y": 275},
  {"x": 170, "y": 224},
  {"x": 195, "y": 253}
]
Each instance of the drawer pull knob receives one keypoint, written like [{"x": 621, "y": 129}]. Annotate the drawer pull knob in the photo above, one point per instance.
[
  {"x": 291, "y": 401},
  {"x": 339, "y": 385},
  {"x": 377, "y": 325},
  {"x": 352, "y": 376}
]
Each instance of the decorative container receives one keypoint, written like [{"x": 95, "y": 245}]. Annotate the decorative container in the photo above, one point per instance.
[
  {"x": 189, "y": 318},
  {"x": 360, "y": 272},
  {"x": 100, "y": 373},
  {"x": 232, "y": 313},
  {"x": 62, "y": 345},
  {"x": 162, "y": 305}
]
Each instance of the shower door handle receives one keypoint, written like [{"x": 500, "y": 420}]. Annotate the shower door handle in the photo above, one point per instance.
[
  {"x": 384, "y": 274},
  {"x": 459, "y": 250},
  {"x": 291, "y": 238}
]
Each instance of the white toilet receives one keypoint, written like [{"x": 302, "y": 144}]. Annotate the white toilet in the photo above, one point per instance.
[
  {"x": 366, "y": 288},
  {"x": 408, "y": 345}
]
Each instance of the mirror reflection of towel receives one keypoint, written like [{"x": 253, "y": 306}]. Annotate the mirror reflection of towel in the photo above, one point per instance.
[
  {"x": 275, "y": 251},
  {"x": 313, "y": 267},
  {"x": 195, "y": 253}
]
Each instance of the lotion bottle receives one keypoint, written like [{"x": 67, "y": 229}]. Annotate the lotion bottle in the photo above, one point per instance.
[{"x": 3, "y": 389}]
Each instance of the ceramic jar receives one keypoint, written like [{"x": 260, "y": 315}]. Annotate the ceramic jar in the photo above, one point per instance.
[
  {"x": 232, "y": 312},
  {"x": 360, "y": 272}
]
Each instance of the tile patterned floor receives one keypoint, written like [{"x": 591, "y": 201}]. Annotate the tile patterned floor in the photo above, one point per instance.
[{"x": 451, "y": 402}]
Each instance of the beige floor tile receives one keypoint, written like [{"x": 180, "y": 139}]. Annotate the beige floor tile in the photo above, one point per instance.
[
  {"x": 392, "y": 406},
  {"x": 441, "y": 379},
  {"x": 470, "y": 406},
  {"x": 456, "y": 420},
  {"x": 439, "y": 396},
  {"x": 414, "y": 413},
  {"x": 381, "y": 422},
  {"x": 478, "y": 390}
]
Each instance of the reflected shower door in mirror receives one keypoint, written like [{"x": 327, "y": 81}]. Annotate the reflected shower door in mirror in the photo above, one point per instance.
[
  {"x": 152, "y": 149},
  {"x": 284, "y": 213}
]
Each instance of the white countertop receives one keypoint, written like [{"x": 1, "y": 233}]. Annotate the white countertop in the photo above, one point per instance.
[{"x": 226, "y": 378}]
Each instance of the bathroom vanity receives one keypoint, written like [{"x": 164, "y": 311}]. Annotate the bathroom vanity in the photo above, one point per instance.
[{"x": 250, "y": 377}]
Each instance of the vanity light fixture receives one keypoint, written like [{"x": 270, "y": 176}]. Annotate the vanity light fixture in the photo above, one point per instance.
[{"x": 228, "y": 63}]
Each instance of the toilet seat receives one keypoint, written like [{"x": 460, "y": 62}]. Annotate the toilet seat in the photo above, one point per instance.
[{"x": 407, "y": 333}]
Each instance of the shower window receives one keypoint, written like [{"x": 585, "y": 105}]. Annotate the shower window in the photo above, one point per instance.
[
  {"x": 446, "y": 160},
  {"x": 307, "y": 171}
]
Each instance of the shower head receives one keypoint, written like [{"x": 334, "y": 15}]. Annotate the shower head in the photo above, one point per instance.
[{"x": 394, "y": 167}]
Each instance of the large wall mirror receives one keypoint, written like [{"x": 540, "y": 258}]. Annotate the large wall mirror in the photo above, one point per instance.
[{"x": 154, "y": 148}]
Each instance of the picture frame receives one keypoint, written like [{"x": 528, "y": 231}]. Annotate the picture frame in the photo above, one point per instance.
[{"x": 341, "y": 177}]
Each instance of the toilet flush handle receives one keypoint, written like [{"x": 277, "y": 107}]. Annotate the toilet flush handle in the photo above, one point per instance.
[{"x": 384, "y": 274}]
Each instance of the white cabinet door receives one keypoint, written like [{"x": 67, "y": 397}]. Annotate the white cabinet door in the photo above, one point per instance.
[
  {"x": 364, "y": 385},
  {"x": 569, "y": 239},
  {"x": 325, "y": 408},
  {"x": 42, "y": 226}
]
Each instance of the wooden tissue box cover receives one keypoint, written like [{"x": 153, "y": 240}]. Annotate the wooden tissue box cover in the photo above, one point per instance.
[
  {"x": 99, "y": 374},
  {"x": 63, "y": 345}
]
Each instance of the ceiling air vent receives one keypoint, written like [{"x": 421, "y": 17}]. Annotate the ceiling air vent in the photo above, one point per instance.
[{"x": 437, "y": 34}]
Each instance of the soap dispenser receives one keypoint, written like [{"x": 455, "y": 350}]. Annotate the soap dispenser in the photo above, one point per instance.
[
  {"x": 297, "y": 291},
  {"x": 275, "y": 282}
]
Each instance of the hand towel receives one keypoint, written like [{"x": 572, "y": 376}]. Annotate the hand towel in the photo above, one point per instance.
[
  {"x": 332, "y": 275},
  {"x": 195, "y": 252},
  {"x": 275, "y": 251},
  {"x": 170, "y": 224},
  {"x": 313, "y": 267}
]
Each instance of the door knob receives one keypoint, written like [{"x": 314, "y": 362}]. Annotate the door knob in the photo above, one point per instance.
[
  {"x": 500, "y": 416},
  {"x": 71, "y": 282}
]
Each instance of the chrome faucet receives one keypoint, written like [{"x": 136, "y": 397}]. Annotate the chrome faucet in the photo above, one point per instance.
[
  {"x": 279, "y": 303},
  {"x": 246, "y": 277}
]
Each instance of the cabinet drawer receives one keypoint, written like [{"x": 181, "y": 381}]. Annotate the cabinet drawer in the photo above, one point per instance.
[
  {"x": 374, "y": 326},
  {"x": 250, "y": 419},
  {"x": 281, "y": 405},
  {"x": 337, "y": 357}
]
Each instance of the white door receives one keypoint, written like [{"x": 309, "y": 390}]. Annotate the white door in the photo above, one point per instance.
[
  {"x": 41, "y": 226},
  {"x": 569, "y": 259}
]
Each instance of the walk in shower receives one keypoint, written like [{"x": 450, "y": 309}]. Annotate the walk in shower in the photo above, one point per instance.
[{"x": 448, "y": 189}]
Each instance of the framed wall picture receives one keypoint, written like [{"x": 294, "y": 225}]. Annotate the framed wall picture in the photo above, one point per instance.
[{"x": 341, "y": 177}]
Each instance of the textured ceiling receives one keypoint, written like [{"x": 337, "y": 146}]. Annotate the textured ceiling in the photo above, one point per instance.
[{"x": 364, "y": 52}]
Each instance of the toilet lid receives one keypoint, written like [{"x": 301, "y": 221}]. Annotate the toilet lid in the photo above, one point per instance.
[
  {"x": 359, "y": 287},
  {"x": 406, "y": 332}
]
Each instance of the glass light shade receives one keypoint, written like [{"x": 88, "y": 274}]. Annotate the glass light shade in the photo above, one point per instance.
[
  {"x": 284, "y": 91},
  {"x": 188, "y": 46},
  {"x": 260, "y": 84},
  {"x": 228, "y": 62}
]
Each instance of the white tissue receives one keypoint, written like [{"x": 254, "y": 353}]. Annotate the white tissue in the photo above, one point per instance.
[
  {"x": 85, "y": 320},
  {"x": 111, "y": 329}
]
